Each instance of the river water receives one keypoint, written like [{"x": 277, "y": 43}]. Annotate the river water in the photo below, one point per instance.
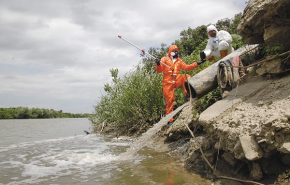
[{"x": 57, "y": 152}]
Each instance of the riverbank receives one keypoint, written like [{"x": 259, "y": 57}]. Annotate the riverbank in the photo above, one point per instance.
[
  {"x": 243, "y": 136},
  {"x": 246, "y": 134}
]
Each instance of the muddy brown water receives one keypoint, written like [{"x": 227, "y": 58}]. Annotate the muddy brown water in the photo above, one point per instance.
[{"x": 57, "y": 151}]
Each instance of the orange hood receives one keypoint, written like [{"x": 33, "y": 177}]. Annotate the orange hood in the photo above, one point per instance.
[{"x": 171, "y": 48}]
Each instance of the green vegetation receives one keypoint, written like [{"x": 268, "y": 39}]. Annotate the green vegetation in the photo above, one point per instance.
[
  {"x": 136, "y": 102},
  {"x": 34, "y": 113},
  {"x": 131, "y": 102},
  {"x": 276, "y": 49}
]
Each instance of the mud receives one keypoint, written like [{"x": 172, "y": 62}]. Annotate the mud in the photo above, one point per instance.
[{"x": 245, "y": 135}]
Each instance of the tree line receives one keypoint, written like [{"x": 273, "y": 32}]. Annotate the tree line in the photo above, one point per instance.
[{"x": 36, "y": 113}]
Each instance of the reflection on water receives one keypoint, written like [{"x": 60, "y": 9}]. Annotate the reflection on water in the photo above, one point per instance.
[{"x": 84, "y": 159}]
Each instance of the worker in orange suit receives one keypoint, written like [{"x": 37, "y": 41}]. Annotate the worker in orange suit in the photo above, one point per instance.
[{"x": 170, "y": 66}]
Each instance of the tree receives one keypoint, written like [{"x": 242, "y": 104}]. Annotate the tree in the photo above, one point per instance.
[
  {"x": 229, "y": 25},
  {"x": 234, "y": 23},
  {"x": 6, "y": 113}
]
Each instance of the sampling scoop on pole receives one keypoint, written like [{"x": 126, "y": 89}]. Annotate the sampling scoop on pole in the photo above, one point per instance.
[{"x": 143, "y": 51}]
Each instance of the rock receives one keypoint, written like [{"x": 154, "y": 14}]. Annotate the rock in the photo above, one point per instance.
[
  {"x": 269, "y": 135},
  {"x": 178, "y": 128},
  {"x": 251, "y": 148},
  {"x": 256, "y": 172},
  {"x": 218, "y": 146},
  {"x": 238, "y": 151},
  {"x": 285, "y": 159},
  {"x": 266, "y": 21},
  {"x": 196, "y": 143},
  {"x": 229, "y": 158},
  {"x": 224, "y": 181},
  {"x": 193, "y": 157},
  {"x": 212, "y": 113},
  {"x": 285, "y": 147},
  {"x": 260, "y": 103},
  {"x": 257, "y": 111},
  {"x": 272, "y": 119},
  {"x": 287, "y": 114},
  {"x": 273, "y": 34},
  {"x": 271, "y": 166},
  {"x": 209, "y": 154},
  {"x": 271, "y": 148},
  {"x": 283, "y": 178},
  {"x": 271, "y": 66}
]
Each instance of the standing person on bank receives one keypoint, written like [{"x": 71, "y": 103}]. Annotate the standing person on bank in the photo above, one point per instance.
[
  {"x": 171, "y": 76},
  {"x": 218, "y": 44}
]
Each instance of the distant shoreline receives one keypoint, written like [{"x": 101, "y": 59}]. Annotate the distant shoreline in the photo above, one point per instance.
[{"x": 37, "y": 113}]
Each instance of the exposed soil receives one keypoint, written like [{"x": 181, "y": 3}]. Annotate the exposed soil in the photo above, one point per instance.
[{"x": 244, "y": 136}]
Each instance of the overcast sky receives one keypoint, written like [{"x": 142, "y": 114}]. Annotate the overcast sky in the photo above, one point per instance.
[{"x": 56, "y": 54}]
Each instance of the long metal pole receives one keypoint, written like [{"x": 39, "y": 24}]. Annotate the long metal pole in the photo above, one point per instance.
[{"x": 143, "y": 51}]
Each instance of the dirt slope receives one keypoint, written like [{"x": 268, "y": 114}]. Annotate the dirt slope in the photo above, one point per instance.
[{"x": 244, "y": 135}]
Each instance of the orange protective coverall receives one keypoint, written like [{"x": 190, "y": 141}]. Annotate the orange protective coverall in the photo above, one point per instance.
[{"x": 169, "y": 81}]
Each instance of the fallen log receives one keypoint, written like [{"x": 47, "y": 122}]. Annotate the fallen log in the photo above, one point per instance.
[{"x": 206, "y": 80}]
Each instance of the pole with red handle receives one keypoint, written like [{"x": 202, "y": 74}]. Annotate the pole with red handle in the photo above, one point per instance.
[{"x": 143, "y": 51}]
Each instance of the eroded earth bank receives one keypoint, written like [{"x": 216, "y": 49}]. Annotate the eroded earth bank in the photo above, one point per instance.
[{"x": 246, "y": 135}]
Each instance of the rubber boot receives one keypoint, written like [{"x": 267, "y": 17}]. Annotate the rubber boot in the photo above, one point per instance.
[{"x": 223, "y": 53}]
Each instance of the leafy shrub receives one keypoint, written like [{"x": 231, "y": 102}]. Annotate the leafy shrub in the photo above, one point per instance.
[{"x": 131, "y": 102}]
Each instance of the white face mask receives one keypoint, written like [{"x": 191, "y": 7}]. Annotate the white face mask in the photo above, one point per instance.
[{"x": 172, "y": 54}]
